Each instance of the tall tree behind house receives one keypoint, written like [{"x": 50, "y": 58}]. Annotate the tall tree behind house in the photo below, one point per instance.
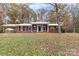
[
  {"x": 1, "y": 15},
  {"x": 28, "y": 14},
  {"x": 57, "y": 10},
  {"x": 19, "y": 13},
  {"x": 41, "y": 14},
  {"x": 75, "y": 16},
  {"x": 61, "y": 15}
]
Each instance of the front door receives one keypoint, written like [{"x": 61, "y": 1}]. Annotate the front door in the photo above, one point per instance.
[{"x": 39, "y": 28}]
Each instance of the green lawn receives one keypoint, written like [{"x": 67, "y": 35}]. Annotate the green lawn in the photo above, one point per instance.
[{"x": 39, "y": 44}]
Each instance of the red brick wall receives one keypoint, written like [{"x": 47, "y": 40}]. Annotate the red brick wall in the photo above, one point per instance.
[
  {"x": 53, "y": 29},
  {"x": 19, "y": 31}
]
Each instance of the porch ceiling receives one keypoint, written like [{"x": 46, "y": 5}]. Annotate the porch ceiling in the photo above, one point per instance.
[
  {"x": 13, "y": 25},
  {"x": 52, "y": 24},
  {"x": 39, "y": 22}
]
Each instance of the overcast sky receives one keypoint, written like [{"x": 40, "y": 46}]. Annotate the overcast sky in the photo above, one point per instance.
[
  {"x": 39, "y": 1},
  {"x": 36, "y": 6}
]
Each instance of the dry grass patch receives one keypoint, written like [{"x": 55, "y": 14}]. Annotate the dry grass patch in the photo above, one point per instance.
[{"x": 39, "y": 44}]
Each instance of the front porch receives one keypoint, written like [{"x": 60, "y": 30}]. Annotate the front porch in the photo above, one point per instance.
[
  {"x": 33, "y": 27},
  {"x": 39, "y": 28}
]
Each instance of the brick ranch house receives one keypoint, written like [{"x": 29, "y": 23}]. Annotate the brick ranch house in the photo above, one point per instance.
[{"x": 32, "y": 27}]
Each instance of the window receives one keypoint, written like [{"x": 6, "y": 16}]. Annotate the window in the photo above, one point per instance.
[
  {"x": 29, "y": 28},
  {"x": 34, "y": 28},
  {"x": 19, "y": 28}
]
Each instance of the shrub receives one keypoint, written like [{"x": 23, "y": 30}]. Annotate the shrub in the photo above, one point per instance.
[{"x": 1, "y": 29}]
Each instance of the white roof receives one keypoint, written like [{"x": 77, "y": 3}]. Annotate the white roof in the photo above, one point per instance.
[
  {"x": 16, "y": 25},
  {"x": 39, "y": 22},
  {"x": 24, "y": 24},
  {"x": 8, "y": 25},
  {"x": 52, "y": 24}
]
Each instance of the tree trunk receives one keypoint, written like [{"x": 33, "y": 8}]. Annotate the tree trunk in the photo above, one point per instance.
[
  {"x": 74, "y": 29},
  {"x": 58, "y": 20},
  {"x": 59, "y": 28}
]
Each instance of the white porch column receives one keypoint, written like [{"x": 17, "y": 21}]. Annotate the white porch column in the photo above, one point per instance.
[
  {"x": 21, "y": 28},
  {"x": 37, "y": 28},
  {"x": 47, "y": 28},
  {"x": 31, "y": 29},
  {"x": 42, "y": 28}
]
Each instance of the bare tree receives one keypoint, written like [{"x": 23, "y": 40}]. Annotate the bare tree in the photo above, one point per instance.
[{"x": 58, "y": 19}]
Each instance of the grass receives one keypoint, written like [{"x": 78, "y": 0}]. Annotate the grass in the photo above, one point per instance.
[{"x": 39, "y": 44}]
